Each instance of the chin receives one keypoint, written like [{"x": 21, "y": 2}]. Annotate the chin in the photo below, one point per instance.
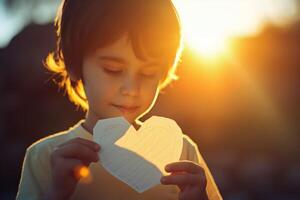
[{"x": 131, "y": 120}]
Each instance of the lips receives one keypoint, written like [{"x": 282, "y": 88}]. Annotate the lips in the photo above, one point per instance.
[{"x": 126, "y": 109}]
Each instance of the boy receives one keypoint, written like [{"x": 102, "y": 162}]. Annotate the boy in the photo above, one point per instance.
[{"x": 113, "y": 57}]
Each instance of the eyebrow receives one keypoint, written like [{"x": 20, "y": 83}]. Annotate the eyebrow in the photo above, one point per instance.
[{"x": 124, "y": 62}]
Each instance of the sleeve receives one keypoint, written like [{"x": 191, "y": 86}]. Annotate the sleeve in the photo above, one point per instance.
[
  {"x": 211, "y": 188},
  {"x": 35, "y": 176}
]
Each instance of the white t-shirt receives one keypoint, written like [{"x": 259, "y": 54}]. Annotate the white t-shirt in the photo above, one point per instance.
[{"x": 36, "y": 173}]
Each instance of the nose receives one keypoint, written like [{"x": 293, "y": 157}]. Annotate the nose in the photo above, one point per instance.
[{"x": 130, "y": 86}]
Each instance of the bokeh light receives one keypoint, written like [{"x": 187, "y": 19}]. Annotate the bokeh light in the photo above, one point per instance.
[{"x": 82, "y": 173}]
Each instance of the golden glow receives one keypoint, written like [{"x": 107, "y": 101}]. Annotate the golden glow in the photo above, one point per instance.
[
  {"x": 208, "y": 28},
  {"x": 263, "y": 100},
  {"x": 83, "y": 174},
  {"x": 209, "y": 47},
  {"x": 209, "y": 25}
]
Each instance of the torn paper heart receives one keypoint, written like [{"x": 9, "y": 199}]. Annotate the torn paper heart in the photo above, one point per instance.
[{"x": 138, "y": 157}]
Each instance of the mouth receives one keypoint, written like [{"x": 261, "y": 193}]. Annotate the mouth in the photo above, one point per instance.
[{"x": 126, "y": 109}]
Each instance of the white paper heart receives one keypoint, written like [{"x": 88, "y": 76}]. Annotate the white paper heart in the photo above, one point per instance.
[{"x": 138, "y": 157}]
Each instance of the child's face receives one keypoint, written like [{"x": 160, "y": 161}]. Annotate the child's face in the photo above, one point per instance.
[{"x": 117, "y": 83}]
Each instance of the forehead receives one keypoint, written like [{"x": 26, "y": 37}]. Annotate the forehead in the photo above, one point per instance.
[
  {"x": 122, "y": 51},
  {"x": 119, "y": 47}
]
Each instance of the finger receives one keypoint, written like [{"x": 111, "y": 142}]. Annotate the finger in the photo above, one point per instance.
[
  {"x": 88, "y": 143},
  {"x": 81, "y": 171},
  {"x": 75, "y": 168},
  {"x": 185, "y": 195},
  {"x": 181, "y": 187},
  {"x": 183, "y": 179},
  {"x": 187, "y": 166},
  {"x": 76, "y": 150},
  {"x": 66, "y": 167},
  {"x": 195, "y": 194}
]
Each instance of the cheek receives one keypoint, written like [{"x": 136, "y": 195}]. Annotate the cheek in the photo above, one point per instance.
[
  {"x": 150, "y": 92},
  {"x": 98, "y": 87},
  {"x": 103, "y": 90}
]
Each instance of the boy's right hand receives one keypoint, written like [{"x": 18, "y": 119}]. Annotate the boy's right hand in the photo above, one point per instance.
[{"x": 65, "y": 159}]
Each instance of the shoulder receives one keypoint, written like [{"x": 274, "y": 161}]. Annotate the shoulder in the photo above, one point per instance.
[
  {"x": 48, "y": 142},
  {"x": 46, "y": 145},
  {"x": 36, "y": 168}
]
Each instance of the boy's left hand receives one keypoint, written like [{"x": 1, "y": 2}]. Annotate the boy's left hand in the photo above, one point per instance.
[{"x": 189, "y": 177}]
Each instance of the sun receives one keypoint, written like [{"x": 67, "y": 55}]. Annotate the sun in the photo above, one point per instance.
[
  {"x": 204, "y": 29},
  {"x": 209, "y": 26},
  {"x": 209, "y": 47}
]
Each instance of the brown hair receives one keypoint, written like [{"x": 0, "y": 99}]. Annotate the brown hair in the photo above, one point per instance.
[{"x": 85, "y": 25}]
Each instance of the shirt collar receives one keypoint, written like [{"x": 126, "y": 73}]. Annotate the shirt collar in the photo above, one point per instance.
[{"x": 79, "y": 131}]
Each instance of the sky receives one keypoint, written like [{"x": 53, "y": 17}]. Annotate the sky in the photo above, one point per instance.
[{"x": 209, "y": 24}]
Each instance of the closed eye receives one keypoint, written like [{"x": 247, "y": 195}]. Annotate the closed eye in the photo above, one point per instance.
[
  {"x": 148, "y": 75},
  {"x": 112, "y": 69},
  {"x": 149, "y": 72}
]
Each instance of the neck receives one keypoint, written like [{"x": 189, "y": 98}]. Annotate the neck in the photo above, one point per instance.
[{"x": 89, "y": 122}]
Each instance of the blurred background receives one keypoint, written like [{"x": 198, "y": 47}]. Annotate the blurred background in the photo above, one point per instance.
[{"x": 237, "y": 95}]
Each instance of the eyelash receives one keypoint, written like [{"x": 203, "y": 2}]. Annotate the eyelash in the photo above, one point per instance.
[
  {"x": 112, "y": 71},
  {"x": 118, "y": 72},
  {"x": 148, "y": 76}
]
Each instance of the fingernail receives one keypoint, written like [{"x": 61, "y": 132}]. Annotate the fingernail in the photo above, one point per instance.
[{"x": 163, "y": 179}]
